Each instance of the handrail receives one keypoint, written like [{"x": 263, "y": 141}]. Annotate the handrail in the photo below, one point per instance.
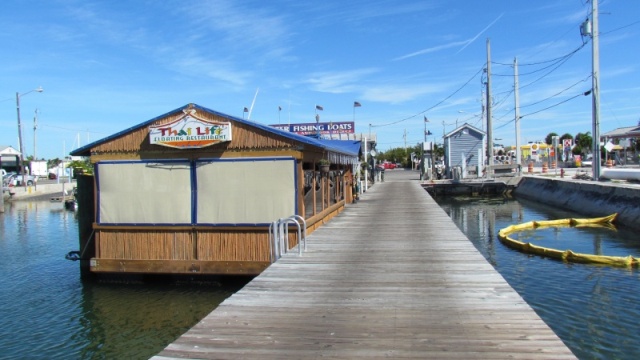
[
  {"x": 279, "y": 236},
  {"x": 304, "y": 229},
  {"x": 287, "y": 221},
  {"x": 273, "y": 241}
]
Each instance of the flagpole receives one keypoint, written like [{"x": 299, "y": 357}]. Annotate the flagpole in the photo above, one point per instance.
[
  {"x": 318, "y": 107},
  {"x": 355, "y": 105}
]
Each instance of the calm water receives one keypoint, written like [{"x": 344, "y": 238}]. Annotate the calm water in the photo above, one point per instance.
[
  {"x": 47, "y": 312},
  {"x": 594, "y": 309}
]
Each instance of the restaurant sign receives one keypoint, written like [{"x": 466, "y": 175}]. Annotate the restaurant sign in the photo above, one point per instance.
[{"x": 190, "y": 133}]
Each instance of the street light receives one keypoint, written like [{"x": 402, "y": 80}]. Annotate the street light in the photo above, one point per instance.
[{"x": 18, "y": 95}]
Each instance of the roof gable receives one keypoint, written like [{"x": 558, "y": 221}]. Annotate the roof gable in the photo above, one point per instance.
[
  {"x": 465, "y": 126},
  {"x": 286, "y": 137}
]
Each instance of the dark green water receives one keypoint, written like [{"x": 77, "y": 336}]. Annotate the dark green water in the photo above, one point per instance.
[
  {"x": 47, "y": 312},
  {"x": 593, "y": 309}
]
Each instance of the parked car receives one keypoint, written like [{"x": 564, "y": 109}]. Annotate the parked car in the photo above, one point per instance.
[
  {"x": 16, "y": 180},
  {"x": 6, "y": 178},
  {"x": 389, "y": 166}
]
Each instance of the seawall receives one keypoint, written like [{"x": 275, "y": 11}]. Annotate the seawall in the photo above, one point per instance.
[
  {"x": 589, "y": 198},
  {"x": 39, "y": 191}
]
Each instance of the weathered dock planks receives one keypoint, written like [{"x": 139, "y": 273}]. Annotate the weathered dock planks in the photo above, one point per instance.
[{"x": 390, "y": 277}]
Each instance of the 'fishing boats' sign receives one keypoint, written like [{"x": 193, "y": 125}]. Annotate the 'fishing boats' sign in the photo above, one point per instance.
[{"x": 189, "y": 133}]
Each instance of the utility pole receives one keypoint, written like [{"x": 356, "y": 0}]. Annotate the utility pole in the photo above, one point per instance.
[
  {"x": 422, "y": 150},
  {"x": 35, "y": 126},
  {"x": 489, "y": 125},
  {"x": 482, "y": 109},
  {"x": 595, "y": 93},
  {"x": 516, "y": 96}
]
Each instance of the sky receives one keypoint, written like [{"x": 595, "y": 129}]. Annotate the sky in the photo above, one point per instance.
[{"x": 106, "y": 66}]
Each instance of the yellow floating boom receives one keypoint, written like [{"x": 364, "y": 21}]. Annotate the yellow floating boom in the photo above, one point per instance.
[{"x": 566, "y": 255}]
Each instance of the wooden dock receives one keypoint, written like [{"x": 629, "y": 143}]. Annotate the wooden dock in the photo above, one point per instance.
[{"x": 390, "y": 277}]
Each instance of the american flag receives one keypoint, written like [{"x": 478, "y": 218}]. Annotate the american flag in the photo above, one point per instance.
[
  {"x": 356, "y": 104},
  {"x": 318, "y": 107}
]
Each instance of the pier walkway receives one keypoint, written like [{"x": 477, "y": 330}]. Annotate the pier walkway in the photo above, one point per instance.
[{"x": 390, "y": 277}]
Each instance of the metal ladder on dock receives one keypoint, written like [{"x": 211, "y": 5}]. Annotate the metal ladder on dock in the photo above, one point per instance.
[{"x": 279, "y": 236}]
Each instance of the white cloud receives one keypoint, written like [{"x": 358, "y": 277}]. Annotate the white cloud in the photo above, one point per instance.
[{"x": 339, "y": 81}]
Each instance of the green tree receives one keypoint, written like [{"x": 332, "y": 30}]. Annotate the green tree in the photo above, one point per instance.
[
  {"x": 584, "y": 140},
  {"x": 549, "y": 139},
  {"x": 583, "y": 143},
  {"x": 51, "y": 163},
  {"x": 82, "y": 167},
  {"x": 566, "y": 136}
]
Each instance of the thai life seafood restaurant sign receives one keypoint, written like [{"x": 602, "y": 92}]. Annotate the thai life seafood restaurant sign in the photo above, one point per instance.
[
  {"x": 189, "y": 133},
  {"x": 325, "y": 128}
]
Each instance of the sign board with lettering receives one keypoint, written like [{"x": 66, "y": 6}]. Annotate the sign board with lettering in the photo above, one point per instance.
[
  {"x": 324, "y": 128},
  {"x": 189, "y": 132}
]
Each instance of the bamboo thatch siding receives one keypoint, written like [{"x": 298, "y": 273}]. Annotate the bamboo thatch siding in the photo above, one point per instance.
[
  {"x": 178, "y": 245},
  {"x": 234, "y": 246},
  {"x": 243, "y": 138},
  {"x": 145, "y": 245}
]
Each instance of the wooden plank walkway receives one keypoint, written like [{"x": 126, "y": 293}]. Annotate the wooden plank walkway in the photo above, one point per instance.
[{"x": 391, "y": 277}]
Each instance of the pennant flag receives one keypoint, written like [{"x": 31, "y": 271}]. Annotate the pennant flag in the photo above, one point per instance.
[
  {"x": 425, "y": 119},
  {"x": 318, "y": 107},
  {"x": 356, "y": 104}
]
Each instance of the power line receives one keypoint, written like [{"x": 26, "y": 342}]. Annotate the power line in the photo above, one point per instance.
[
  {"x": 620, "y": 28},
  {"x": 558, "y": 104},
  {"x": 569, "y": 54},
  {"x": 437, "y": 104},
  {"x": 547, "y": 108},
  {"x": 552, "y": 96}
]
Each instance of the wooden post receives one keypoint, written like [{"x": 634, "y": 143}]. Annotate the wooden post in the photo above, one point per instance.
[{"x": 86, "y": 218}]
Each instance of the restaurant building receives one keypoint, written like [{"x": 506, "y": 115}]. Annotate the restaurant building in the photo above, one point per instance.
[{"x": 195, "y": 191}]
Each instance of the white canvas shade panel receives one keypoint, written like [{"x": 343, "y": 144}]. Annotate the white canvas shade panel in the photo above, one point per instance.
[
  {"x": 144, "y": 193},
  {"x": 255, "y": 191}
]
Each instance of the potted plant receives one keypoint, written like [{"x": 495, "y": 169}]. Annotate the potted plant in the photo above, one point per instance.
[{"x": 324, "y": 165}]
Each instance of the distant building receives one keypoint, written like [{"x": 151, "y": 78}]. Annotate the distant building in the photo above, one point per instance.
[
  {"x": 9, "y": 158},
  {"x": 464, "y": 151}
]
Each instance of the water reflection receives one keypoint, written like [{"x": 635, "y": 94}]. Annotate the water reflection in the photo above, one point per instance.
[
  {"x": 594, "y": 309},
  {"x": 48, "y": 312}
]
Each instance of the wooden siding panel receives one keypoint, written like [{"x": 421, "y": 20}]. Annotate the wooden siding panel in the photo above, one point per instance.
[{"x": 469, "y": 144}]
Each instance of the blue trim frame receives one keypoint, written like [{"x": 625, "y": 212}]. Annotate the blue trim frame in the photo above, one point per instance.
[
  {"x": 193, "y": 164},
  {"x": 283, "y": 158},
  {"x": 108, "y": 162}
]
